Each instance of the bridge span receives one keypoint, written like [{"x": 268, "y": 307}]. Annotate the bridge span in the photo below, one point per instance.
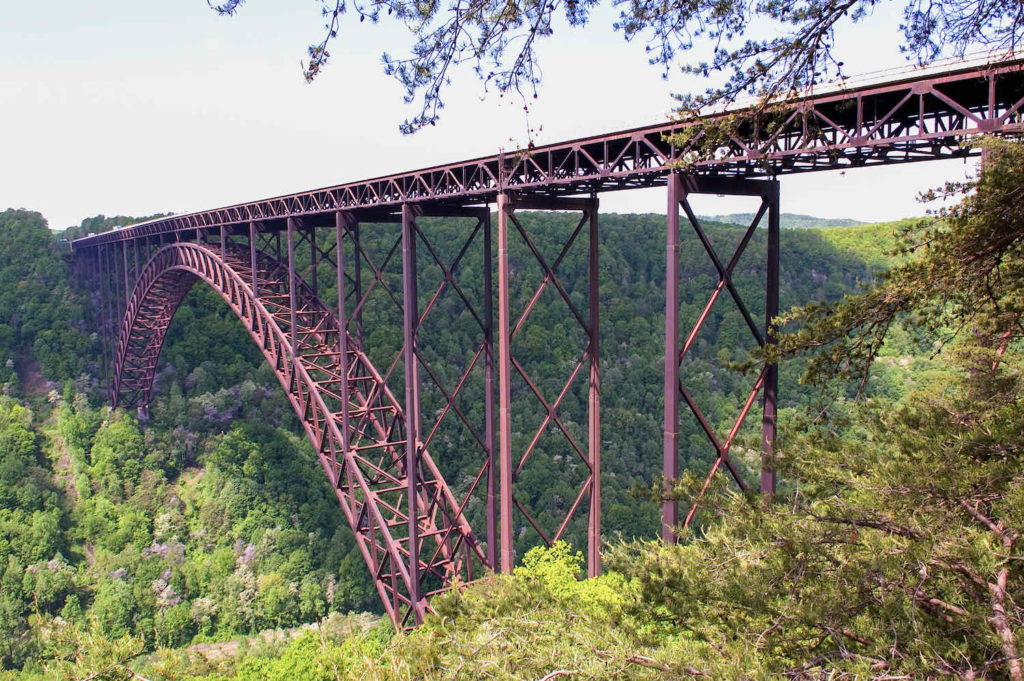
[{"x": 321, "y": 304}]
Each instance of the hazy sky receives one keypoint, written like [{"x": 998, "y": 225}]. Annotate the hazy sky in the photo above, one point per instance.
[{"x": 135, "y": 107}]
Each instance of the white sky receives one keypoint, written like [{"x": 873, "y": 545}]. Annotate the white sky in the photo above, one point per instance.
[{"x": 134, "y": 107}]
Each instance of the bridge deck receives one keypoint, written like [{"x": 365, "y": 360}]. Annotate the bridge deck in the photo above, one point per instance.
[{"x": 917, "y": 115}]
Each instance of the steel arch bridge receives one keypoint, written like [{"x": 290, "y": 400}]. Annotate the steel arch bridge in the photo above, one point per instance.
[{"x": 351, "y": 328}]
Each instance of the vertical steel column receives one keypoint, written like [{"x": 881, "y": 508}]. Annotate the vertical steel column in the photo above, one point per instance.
[
  {"x": 594, "y": 421},
  {"x": 504, "y": 386},
  {"x": 492, "y": 471},
  {"x": 113, "y": 308},
  {"x": 670, "y": 459},
  {"x": 122, "y": 304},
  {"x": 127, "y": 281},
  {"x": 771, "y": 377},
  {"x": 339, "y": 255},
  {"x": 357, "y": 275},
  {"x": 411, "y": 316},
  {"x": 252, "y": 259},
  {"x": 293, "y": 303},
  {"x": 103, "y": 291},
  {"x": 314, "y": 282},
  {"x": 223, "y": 242}
]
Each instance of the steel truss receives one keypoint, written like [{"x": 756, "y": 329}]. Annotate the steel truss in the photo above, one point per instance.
[
  {"x": 350, "y": 329},
  {"x": 398, "y": 506}
]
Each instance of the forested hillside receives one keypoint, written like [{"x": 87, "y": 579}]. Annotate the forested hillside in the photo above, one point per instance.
[{"x": 212, "y": 521}]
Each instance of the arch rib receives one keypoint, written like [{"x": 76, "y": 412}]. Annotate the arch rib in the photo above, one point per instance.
[{"x": 369, "y": 476}]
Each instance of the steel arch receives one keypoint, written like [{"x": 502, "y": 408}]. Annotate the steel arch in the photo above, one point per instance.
[{"x": 369, "y": 476}]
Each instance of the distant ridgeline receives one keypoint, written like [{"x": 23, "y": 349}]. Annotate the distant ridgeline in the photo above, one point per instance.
[
  {"x": 787, "y": 220},
  {"x": 214, "y": 519}
]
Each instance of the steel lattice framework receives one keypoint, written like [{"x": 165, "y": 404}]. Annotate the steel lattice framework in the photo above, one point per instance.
[
  {"x": 356, "y": 424},
  {"x": 359, "y": 363}
]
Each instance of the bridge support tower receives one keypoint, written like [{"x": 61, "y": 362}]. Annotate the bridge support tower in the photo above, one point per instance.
[
  {"x": 513, "y": 460},
  {"x": 680, "y": 187}
]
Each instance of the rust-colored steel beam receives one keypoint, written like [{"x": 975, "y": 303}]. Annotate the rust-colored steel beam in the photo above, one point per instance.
[
  {"x": 410, "y": 322},
  {"x": 293, "y": 290},
  {"x": 594, "y": 401},
  {"x": 915, "y": 116},
  {"x": 505, "y": 387},
  {"x": 670, "y": 457},
  {"x": 448, "y": 268},
  {"x": 341, "y": 223},
  {"x": 489, "y": 413},
  {"x": 771, "y": 378}
]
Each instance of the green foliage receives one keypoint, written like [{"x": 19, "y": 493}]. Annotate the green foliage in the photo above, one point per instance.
[
  {"x": 876, "y": 245},
  {"x": 116, "y": 456},
  {"x": 18, "y": 454},
  {"x": 41, "y": 318},
  {"x": 305, "y": 658},
  {"x": 887, "y": 561},
  {"x": 789, "y": 221},
  {"x": 77, "y": 425},
  {"x": 962, "y": 272},
  {"x": 522, "y": 626},
  {"x": 84, "y": 651},
  {"x": 34, "y": 576}
]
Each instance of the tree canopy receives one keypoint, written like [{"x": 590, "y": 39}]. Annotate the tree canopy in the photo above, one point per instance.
[{"x": 499, "y": 40}]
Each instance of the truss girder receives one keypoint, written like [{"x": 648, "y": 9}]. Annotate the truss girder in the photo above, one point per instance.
[{"x": 917, "y": 117}]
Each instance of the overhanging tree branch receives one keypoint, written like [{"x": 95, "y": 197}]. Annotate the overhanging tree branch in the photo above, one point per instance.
[{"x": 499, "y": 39}]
